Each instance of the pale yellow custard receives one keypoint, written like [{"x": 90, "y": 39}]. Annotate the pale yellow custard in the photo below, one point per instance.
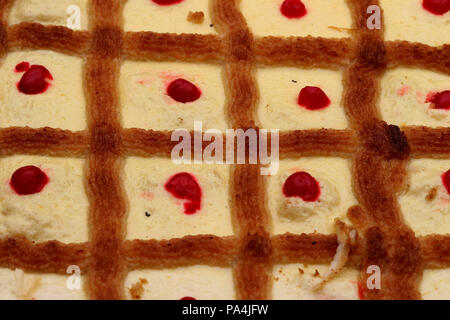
[
  {"x": 328, "y": 19},
  {"x": 279, "y": 89},
  {"x": 300, "y": 282},
  {"x": 146, "y": 104},
  {"x": 292, "y": 214},
  {"x": 18, "y": 285},
  {"x": 426, "y": 203},
  {"x": 435, "y": 284},
  {"x": 145, "y": 15},
  {"x": 404, "y": 94},
  {"x": 199, "y": 282},
  {"x": 58, "y": 212},
  {"x": 165, "y": 219},
  {"x": 62, "y": 105},
  {"x": 408, "y": 20},
  {"x": 65, "y": 13}
]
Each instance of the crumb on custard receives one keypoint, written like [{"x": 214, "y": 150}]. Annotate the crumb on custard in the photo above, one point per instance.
[
  {"x": 137, "y": 289},
  {"x": 196, "y": 17}
]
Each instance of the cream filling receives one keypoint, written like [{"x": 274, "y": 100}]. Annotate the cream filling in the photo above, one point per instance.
[
  {"x": 58, "y": 212},
  {"x": 404, "y": 94},
  {"x": 279, "y": 88},
  {"x": 408, "y": 20},
  {"x": 143, "y": 87},
  {"x": 62, "y": 105},
  {"x": 297, "y": 216},
  {"x": 435, "y": 285},
  {"x": 145, "y": 15},
  {"x": 18, "y": 285},
  {"x": 298, "y": 282},
  {"x": 328, "y": 19},
  {"x": 199, "y": 282},
  {"x": 49, "y": 12},
  {"x": 426, "y": 203},
  {"x": 146, "y": 193}
]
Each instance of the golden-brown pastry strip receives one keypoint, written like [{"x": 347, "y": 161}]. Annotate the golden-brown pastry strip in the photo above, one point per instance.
[
  {"x": 50, "y": 257},
  {"x": 44, "y": 141}
]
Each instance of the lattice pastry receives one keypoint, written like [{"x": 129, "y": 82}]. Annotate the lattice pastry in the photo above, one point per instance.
[{"x": 86, "y": 116}]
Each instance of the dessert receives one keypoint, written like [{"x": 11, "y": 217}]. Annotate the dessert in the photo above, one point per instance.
[{"x": 93, "y": 207}]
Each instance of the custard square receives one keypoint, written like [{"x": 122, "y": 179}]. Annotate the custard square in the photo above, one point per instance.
[
  {"x": 200, "y": 282},
  {"x": 435, "y": 284},
  {"x": 62, "y": 105},
  {"x": 279, "y": 88},
  {"x": 408, "y": 20},
  {"x": 293, "y": 214},
  {"x": 50, "y": 12},
  {"x": 155, "y": 213},
  {"x": 146, "y": 15},
  {"x": 299, "y": 281},
  {"x": 328, "y": 19},
  {"x": 405, "y": 94},
  {"x": 58, "y": 212},
  {"x": 425, "y": 202},
  {"x": 19, "y": 285},
  {"x": 147, "y": 105}
]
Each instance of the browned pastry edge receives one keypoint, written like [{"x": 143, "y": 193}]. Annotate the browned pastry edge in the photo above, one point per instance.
[
  {"x": 428, "y": 142},
  {"x": 379, "y": 163},
  {"x": 307, "y": 248},
  {"x": 435, "y": 250},
  {"x": 417, "y": 55},
  {"x": 108, "y": 203},
  {"x": 52, "y": 256},
  {"x": 57, "y": 38},
  {"x": 55, "y": 257},
  {"x": 167, "y": 47},
  {"x": 249, "y": 215},
  {"x": 379, "y": 169},
  {"x": 45, "y": 141},
  {"x": 189, "y": 250},
  {"x": 307, "y": 52}
]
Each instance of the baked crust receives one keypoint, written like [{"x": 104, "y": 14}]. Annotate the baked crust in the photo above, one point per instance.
[{"x": 379, "y": 153}]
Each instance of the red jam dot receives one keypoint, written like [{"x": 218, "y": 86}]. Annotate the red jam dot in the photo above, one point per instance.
[
  {"x": 293, "y": 9},
  {"x": 313, "y": 98},
  {"x": 184, "y": 186},
  {"x": 183, "y": 91},
  {"x": 302, "y": 185},
  {"x": 188, "y": 298},
  {"x": 440, "y": 100},
  {"x": 22, "y": 67},
  {"x": 28, "y": 180},
  {"x": 437, "y": 7},
  {"x": 34, "y": 80},
  {"x": 166, "y": 2},
  {"x": 446, "y": 180}
]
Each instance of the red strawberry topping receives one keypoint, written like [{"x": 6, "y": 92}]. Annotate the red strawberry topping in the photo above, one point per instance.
[
  {"x": 440, "y": 100},
  {"x": 166, "y": 2},
  {"x": 28, "y": 180},
  {"x": 184, "y": 186},
  {"x": 293, "y": 9},
  {"x": 183, "y": 91},
  {"x": 302, "y": 185},
  {"x": 34, "y": 80},
  {"x": 437, "y": 7},
  {"x": 313, "y": 98},
  {"x": 446, "y": 180}
]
